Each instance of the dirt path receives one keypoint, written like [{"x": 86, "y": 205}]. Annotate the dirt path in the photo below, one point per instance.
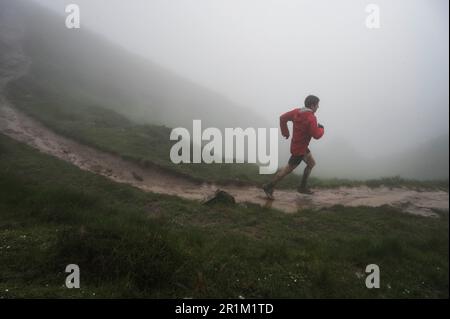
[{"x": 25, "y": 129}]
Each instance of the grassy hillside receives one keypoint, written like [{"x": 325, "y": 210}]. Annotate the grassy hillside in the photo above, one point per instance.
[
  {"x": 134, "y": 244},
  {"x": 149, "y": 144},
  {"x": 85, "y": 64},
  {"x": 109, "y": 131}
]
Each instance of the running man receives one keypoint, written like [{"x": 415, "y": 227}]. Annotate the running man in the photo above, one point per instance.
[{"x": 304, "y": 128}]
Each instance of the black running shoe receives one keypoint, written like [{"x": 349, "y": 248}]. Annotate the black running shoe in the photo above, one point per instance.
[{"x": 268, "y": 189}]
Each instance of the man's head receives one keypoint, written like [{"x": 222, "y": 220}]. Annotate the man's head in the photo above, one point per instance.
[{"x": 312, "y": 102}]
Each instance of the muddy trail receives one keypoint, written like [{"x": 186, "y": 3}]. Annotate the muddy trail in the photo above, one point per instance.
[{"x": 27, "y": 130}]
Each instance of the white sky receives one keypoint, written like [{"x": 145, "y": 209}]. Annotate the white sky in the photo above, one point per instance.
[{"x": 383, "y": 90}]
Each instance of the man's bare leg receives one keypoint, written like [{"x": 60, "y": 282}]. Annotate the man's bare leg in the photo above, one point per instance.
[
  {"x": 282, "y": 173},
  {"x": 268, "y": 188},
  {"x": 310, "y": 163}
]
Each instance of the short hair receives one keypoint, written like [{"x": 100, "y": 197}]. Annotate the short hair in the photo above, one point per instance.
[{"x": 311, "y": 100}]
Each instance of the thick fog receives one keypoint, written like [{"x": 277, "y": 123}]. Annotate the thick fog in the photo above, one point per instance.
[{"x": 384, "y": 92}]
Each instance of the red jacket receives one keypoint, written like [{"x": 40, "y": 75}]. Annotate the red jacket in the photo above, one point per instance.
[{"x": 305, "y": 127}]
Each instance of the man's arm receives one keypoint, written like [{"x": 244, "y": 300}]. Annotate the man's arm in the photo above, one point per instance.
[
  {"x": 288, "y": 116},
  {"x": 315, "y": 130}
]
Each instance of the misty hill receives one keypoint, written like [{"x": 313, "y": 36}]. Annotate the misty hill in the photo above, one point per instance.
[
  {"x": 337, "y": 158},
  {"x": 83, "y": 65},
  {"x": 425, "y": 161}
]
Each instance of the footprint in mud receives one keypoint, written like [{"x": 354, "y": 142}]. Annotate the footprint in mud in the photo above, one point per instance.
[
  {"x": 48, "y": 144},
  {"x": 96, "y": 168},
  {"x": 137, "y": 177},
  {"x": 10, "y": 131}
]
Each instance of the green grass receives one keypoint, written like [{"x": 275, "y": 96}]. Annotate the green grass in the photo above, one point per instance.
[
  {"x": 134, "y": 244},
  {"x": 150, "y": 145}
]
